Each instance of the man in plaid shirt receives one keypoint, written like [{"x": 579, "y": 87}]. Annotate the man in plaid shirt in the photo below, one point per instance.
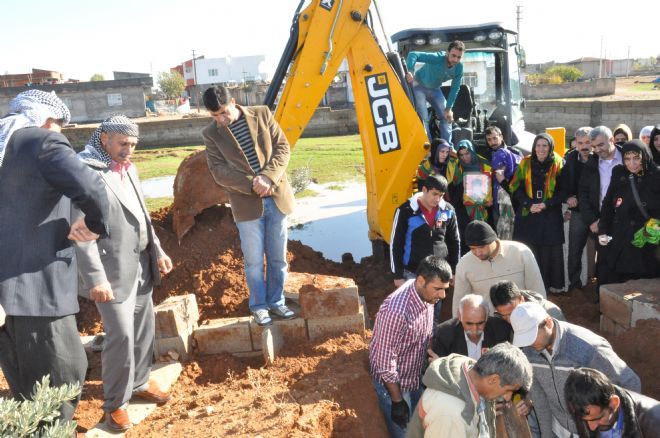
[{"x": 401, "y": 335}]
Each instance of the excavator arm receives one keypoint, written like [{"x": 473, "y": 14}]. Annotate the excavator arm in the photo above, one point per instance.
[
  {"x": 391, "y": 132},
  {"x": 324, "y": 34}
]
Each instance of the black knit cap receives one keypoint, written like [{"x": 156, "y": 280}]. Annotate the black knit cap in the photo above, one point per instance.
[{"x": 479, "y": 233}]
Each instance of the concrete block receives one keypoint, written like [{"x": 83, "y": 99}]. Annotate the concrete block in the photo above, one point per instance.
[
  {"x": 609, "y": 327},
  {"x": 363, "y": 307},
  {"x": 646, "y": 301},
  {"x": 615, "y": 304},
  {"x": 327, "y": 296},
  {"x": 226, "y": 335},
  {"x": 176, "y": 316},
  {"x": 321, "y": 327},
  {"x": 291, "y": 331},
  {"x": 272, "y": 342},
  {"x": 182, "y": 344},
  {"x": 626, "y": 303}
]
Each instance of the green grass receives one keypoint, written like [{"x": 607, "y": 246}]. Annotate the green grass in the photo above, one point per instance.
[
  {"x": 331, "y": 159},
  {"x": 307, "y": 193},
  {"x": 154, "y": 204},
  {"x": 153, "y": 163},
  {"x": 335, "y": 187}
]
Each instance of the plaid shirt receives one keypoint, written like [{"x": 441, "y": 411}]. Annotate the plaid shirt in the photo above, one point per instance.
[{"x": 403, "y": 328}]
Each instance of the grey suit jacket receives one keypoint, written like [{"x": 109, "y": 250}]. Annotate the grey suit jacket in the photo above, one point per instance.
[
  {"x": 39, "y": 179},
  {"x": 115, "y": 259}
]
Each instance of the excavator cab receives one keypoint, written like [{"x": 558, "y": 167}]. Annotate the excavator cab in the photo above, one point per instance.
[{"x": 490, "y": 92}]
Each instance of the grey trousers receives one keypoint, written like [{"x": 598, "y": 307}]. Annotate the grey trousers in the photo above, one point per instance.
[
  {"x": 129, "y": 341},
  {"x": 33, "y": 346},
  {"x": 580, "y": 236}
]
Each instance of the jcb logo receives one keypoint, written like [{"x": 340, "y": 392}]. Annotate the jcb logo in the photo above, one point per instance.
[{"x": 382, "y": 113}]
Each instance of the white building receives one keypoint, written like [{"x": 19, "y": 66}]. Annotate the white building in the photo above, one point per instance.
[{"x": 225, "y": 70}]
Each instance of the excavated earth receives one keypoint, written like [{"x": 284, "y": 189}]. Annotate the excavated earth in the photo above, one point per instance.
[{"x": 320, "y": 388}]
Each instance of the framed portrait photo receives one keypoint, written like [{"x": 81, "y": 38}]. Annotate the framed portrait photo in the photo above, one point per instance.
[{"x": 477, "y": 187}]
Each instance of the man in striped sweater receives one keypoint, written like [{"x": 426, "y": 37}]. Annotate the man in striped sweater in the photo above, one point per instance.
[{"x": 247, "y": 155}]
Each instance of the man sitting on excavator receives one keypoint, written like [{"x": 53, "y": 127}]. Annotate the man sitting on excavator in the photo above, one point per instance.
[{"x": 438, "y": 67}]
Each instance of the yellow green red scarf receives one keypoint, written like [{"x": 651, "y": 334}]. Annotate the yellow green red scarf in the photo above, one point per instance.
[{"x": 524, "y": 174}]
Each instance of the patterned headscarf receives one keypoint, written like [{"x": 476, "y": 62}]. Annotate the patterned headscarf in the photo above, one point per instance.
[
  {"x": 94, "y": 153},
  {"x": 31, "y": 108}
]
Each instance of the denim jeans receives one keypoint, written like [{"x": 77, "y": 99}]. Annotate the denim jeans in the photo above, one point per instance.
[
  {"x": 265, "y": 236},
  {"x": 438, "y": 102},
  {"x": 385, "y": 403}
]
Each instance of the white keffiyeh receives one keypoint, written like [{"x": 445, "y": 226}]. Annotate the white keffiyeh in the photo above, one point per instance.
[
  {"x": 31, "y": 108},
  {"x": 94, "y": 153}
]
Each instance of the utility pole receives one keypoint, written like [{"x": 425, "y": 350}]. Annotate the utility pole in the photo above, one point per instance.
[
  {"x": 518, "y": 18},
  {"x": 194, "y": 62},
  {"x": 628, "y": 63},
  {"x": 600, "y": 61}
]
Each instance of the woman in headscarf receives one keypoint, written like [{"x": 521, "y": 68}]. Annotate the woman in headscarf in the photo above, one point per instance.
[
  {"x": 622, "y": 133},
  {"x": 654, "y": 144},
  {"x": 439, "y": 161},
  {"x": 539, "y": 221},
  {"x": 468, "y": 205},
  {"x": 632, "y": 223}
]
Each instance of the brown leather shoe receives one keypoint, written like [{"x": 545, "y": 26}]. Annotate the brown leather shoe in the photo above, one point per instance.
[
  {"x": 118, "y": 420},
  {"x": 153, "y": 394}
]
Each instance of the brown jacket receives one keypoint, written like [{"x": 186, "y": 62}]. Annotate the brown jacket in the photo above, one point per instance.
[{"x": 231, "y": 170}]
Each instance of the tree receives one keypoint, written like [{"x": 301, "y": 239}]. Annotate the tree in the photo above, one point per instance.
[
  {"x": 37, "y": 417},
  {"x": 172, "y": 84},
  {"x": 97, "y": 77},
  {"x": 566, "y": 73}
]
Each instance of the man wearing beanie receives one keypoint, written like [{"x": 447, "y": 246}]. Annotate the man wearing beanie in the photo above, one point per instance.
[
  {"x": 491, "y": 260},
  {"x": 118, "y": 273},
  {"x": 555, "y": 348}
]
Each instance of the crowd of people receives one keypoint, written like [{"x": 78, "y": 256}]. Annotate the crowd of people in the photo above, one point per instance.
[{"x": 493, "y": 228}]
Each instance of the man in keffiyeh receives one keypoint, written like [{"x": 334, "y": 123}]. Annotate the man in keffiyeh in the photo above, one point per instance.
[
  {"x": 119, "y": 273},
  {"x": 40, "y": 178},
  {"x": 32, "y": 108}
]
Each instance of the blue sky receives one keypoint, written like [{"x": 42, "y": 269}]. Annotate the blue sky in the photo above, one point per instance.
[{"x": 80, "y": 38}]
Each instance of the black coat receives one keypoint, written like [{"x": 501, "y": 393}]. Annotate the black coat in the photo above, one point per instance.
[
  {"x": 589, "y": 190},
  {"x": 449, "y": 337},
  {"x": 39, "y": 178},
  {"x": 544, "y": 228},
  {"x": 641, "y": 416},
  {"x": 621, "y": 218},
  {"x": 570, "y": 175}
]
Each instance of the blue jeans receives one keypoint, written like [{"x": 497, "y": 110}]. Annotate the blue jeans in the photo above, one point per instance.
[
  {"x": 385, "y": 403},
  {"x": 438, "y": 102},
  {"x": 265, "y": 236}
]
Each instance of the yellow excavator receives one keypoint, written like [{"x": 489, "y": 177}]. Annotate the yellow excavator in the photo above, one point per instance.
[{"x": 323, "y": 34}]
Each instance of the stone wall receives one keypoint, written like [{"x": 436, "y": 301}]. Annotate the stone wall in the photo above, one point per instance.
[
  {"x": 592, "y": 88},
  {"x": 187, "y": 132},
  {"x": 574, "y": 114},
  {"x": 93, "y": 101}
]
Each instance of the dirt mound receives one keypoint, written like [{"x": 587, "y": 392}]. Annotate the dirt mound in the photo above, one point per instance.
[
  {"x": 209, "y": 263},
  {"x": 639, "y": 348},
  {"x": 315, "y": 389}
]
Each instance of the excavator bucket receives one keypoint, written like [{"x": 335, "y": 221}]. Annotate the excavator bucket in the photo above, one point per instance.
[{"x": 194, "y": 191}]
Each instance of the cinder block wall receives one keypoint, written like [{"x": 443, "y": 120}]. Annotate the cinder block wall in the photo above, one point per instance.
[{"x": 571, "y": 115}]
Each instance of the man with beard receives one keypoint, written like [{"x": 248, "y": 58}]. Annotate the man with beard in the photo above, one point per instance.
[
  {"x": 438, "y": 67},
  {"x": 472, "y": 333},
  {"x": 603, "y": 409},
  {"x": 554, "y": 348},
  {"x": 490, "y": 260},
  {"x": 402, "y": 331}
]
